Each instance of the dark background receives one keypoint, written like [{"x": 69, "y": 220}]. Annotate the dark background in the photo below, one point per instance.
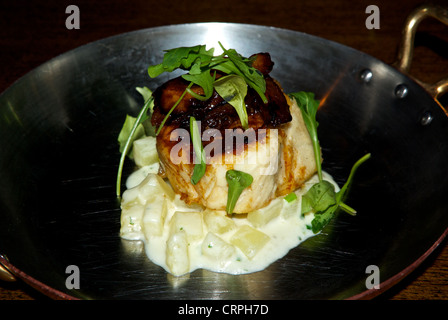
[{"x": 32, "y": 32}]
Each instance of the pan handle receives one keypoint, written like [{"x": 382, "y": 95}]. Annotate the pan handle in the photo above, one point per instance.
[
  {"x": 407, "y": 44},
  {"x": 5, "y": 274}
]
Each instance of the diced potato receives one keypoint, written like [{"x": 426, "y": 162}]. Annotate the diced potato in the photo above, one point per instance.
[
  {"x": 216, "y": 248},
  {"x": 264, "y": 215},
  {"x": 177, "y": 257},
  {"x": 130, "y": 223},
  {"x": 144, "y": 151},
  {"x": 154, "y": 217},
  {"x": 190, "y": 222},
  {"x": 140, "y": 174},
  {"x": 151, "y": 187},
  {"x": 130, "y": 198},
  {"x": 218, "y": 221},
  {"x": 293, "y": 208},
  {"x": 249, "y": 240},
  {"x": 154, "y": 186}
]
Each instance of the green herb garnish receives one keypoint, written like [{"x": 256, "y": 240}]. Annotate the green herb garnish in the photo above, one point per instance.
[
  {"x": 200, "y": 64},
  {"x": 236, "y": 64},
  {"x": 125, "y": 137},
  {"x": 237, "y": 181},
  {"x": 199, "y": 168},
  {"x": 290, "y": 197},
  {"x": 321, "y": 198},
  {"x": 173, "y": 107},
  {"x": 308, "y": 106},
  {"x": 132, "y": 129},
  {"x": 182, "y": 58},
  {"x": 233, "y": 89},
  {"x": 204, "y": 80}
]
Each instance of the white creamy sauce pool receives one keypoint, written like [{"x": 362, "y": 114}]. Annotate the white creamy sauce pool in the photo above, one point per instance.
[{"x": 280, "y": 234}]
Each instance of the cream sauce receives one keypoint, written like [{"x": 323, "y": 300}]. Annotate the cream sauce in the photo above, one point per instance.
[{"x": 285, "y": 231}]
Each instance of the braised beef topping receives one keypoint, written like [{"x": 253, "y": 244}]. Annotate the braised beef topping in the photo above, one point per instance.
[{"x": 215, "y": 112}]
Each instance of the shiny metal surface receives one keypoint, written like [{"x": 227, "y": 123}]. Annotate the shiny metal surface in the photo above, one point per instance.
[
  {"x": 406, "y": 48},
  {"x": 59, "y": 156},
  {"x": 5, "y": 274}
]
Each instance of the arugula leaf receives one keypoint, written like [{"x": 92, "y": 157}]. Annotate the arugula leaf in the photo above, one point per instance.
[
  {"x": 308, "y": 106},
  {"x": 341, "y": 195},
  {"x": 324, "y": 202},
  {"x": 125, "y": 132},
  {"x": 243, "y": 67},
  {"x": 127, "y": 137},
  {"x": 182, "y": 57},
  {"x": 204, "y": 80},
  {"x": 146, "y": 122},
  {"x": 321, "y": 198},
  {"x": 237, "y": 181},
  {"x": 233, "y": 89},
  {"x": 199, "y": 168},
  {"x": 323, "y": 218},
  {"x": 200, "y": 63},
  {"x": 145, "y": 92},
  {"x": 141, "y": 129}
]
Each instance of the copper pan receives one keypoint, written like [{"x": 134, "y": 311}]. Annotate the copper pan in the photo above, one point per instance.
[{"x": 59, "y": 156}]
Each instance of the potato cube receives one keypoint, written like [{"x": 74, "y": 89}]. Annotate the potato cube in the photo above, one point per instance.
[
  {"x": 131, "y": 223},
  {"x": 177, "y": 257},
  {"x": 154, "y": 186},
  {"x": 154, "y": 217},
  {"x": 131, "y": 198},
  {"x": 216, "y": 248},
  {"x": 137, "y": 177},
  {"x": 293, "y": 208},
  {"x": 144, "y": 151},
  {"x": 151, "y": 187},
  {"x": 190, "y": 222},
  {"x": 218, "y": 221},
  {"x": 264, "y": 215},
  {"x": 249, "y": 240}
]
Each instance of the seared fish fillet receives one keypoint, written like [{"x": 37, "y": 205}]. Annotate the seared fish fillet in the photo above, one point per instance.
[{"x": 276, "y": 150}]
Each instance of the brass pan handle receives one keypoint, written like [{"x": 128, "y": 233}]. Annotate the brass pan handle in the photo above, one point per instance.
[
  {"x": 406, "y": 48},
  {"x": 5, "y": 273}
]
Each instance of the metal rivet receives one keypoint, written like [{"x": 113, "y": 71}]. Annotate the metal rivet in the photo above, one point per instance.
[
  {"x": 426, "y": 118},
  {"x": 366, "y": 75},
  {"x": 401, "y": 91}
]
